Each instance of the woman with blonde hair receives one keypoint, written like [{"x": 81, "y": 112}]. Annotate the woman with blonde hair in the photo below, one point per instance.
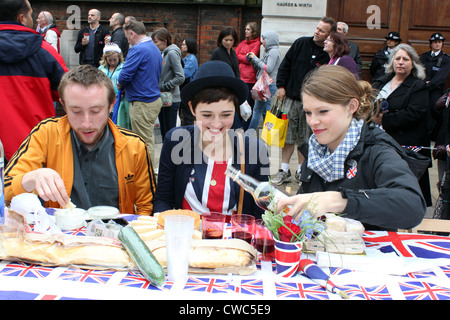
[
  {"x": 352, "y": 167},
  {"x": 407, "y": 117}
]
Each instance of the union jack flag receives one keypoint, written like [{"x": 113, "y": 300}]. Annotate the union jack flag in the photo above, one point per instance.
[
  {"x": 367, "y": 293},
  {"x": 417, "y": 290},
  {"x": 351, "y": 173},
  {"x": 136, "y": 280},
  {"x": 249, "y": 286},
  {"x": 22, "y": 269},
  {"x": 409, "y": 244},
  {"x": 210, "y": 285},
  {"x": 88, "y": 276},
  {"x": 287, "y": 257},
  {"x": 310, "y": 291}
]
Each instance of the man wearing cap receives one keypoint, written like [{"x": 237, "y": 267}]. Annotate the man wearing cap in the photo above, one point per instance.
[
  {"x": 194, "y": 158},
  {"x": 437, "y": 66},
  {"x": 382, "y": 56}
]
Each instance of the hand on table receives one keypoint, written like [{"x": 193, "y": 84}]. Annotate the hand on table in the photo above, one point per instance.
[{"x": 48, "y": 184}]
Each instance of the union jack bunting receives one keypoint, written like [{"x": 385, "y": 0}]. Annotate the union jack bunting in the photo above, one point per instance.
[
  {"x": 417, "y": 290},
  {"x": 409, "y": 244},
  {"x": 210, "y": 285},
  {"x": 136, "y": 280},
  {"x": 22, "y": 269},
  {"x": 249, "y": 286},
  {"x": 88, "y": 276},
  {"x": 367, "y": 293},
  {"x": 309, "y": 291}
]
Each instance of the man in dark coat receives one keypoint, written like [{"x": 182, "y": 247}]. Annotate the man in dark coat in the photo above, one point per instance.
[
  {"x": 91, "y": 40},
  {"x": 117, "y": 35},
  {"x": 382, "y": 56}
]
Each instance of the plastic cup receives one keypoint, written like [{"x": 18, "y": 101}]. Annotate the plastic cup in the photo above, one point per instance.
[
  {"x": 212, "y": 225},
  {"x": 264, "y": 242},
  {"x": 86, "y": 36},
  {"x": 243, "y": 227},
  {"x": 179, "y": 230}
]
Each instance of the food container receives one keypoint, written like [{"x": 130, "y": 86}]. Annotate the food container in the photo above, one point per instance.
[
  {"x": 70, "y": 219},
  {"x": 102, "y": 212}
]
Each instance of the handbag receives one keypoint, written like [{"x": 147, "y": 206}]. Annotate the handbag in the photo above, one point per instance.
[
  {"x": 166, "y": 98},
  {"x": 260, "y": 90},
  {"x": 275, "y": 126}
]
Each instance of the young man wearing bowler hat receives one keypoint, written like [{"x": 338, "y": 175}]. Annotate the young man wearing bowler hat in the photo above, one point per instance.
[
  {"x": 194, "y": 158},
  {"x": 382, "y": 56}
]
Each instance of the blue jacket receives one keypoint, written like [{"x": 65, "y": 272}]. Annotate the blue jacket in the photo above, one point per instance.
[
  {"x": 180, "y": 155},
  {"x": 141, "y": 72}
]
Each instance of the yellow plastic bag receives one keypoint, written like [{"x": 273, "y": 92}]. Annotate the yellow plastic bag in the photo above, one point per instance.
[{"x": 274, "y": 130}]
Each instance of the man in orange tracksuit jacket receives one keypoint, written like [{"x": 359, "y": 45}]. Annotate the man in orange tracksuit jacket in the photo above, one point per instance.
[{"x": 84, "y": 155}]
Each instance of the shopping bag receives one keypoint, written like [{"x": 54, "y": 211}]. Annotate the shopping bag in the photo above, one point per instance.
[
  {"x": 275, "y": 128},
  {"x": 260, "y": 90}
]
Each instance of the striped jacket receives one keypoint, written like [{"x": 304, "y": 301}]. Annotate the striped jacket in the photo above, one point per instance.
[
  {"x": 30, "y": 72},
  {"x": 49, "y": 145}
]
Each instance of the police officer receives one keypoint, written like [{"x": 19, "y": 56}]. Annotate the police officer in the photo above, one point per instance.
[
  {"x": 437, "y": 68},
  {"x": 382, "y": 56}
]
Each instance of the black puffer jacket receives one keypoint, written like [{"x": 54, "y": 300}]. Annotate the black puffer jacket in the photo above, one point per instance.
[{"x": 384, "y": 193}]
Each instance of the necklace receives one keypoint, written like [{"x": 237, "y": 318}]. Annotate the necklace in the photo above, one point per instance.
[{"x": 213, "y": 181}]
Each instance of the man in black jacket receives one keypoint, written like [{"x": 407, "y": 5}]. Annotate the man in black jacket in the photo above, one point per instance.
[
  {"x": 91, "y": 40},
  {"x": 117, "y": 35},
  {"x": 305, "y": 54}
]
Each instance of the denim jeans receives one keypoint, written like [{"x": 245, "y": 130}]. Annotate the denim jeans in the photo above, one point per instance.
[{"x": 260, "y": 109}]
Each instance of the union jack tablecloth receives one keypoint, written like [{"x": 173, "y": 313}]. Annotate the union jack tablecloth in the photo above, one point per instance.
[{"x": 20, "y": 280}]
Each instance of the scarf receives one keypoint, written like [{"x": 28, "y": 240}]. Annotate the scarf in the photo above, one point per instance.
[{"x": 331, "y": 166}]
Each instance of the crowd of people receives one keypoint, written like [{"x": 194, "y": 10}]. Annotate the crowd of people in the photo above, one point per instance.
[{"x": 353, "y": 137}]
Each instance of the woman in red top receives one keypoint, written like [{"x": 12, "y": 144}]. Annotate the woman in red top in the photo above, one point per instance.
[{"x": 252, "y": 43}]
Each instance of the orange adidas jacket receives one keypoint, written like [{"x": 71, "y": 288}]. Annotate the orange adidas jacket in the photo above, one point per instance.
[{"x": 50, "y": 145}]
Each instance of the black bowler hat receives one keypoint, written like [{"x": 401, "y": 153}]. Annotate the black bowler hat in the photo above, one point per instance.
[
  {"x": 437, "y": 36},
  {"x": 214, "y": 73},
  {"x": 394, "y": 36}
]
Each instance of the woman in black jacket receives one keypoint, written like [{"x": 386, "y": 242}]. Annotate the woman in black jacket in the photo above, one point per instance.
[
  {"x": 407, "y": 117},
  {"x": 225, "y": 52},
  {"x": 352, "y": 167}
]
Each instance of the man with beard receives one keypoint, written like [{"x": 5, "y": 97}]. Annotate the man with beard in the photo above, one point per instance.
[
  {"x": 83, "y": 157},
  {"x": 91, "y": 40}
]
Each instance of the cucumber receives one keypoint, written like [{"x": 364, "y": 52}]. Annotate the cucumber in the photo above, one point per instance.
[{"x": 144, "y": 259}]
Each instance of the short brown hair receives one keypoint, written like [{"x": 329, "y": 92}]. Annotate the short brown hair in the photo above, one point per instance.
[
  {"x": 87, "y": 75},
  {"x": 137, "y": 26}
]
